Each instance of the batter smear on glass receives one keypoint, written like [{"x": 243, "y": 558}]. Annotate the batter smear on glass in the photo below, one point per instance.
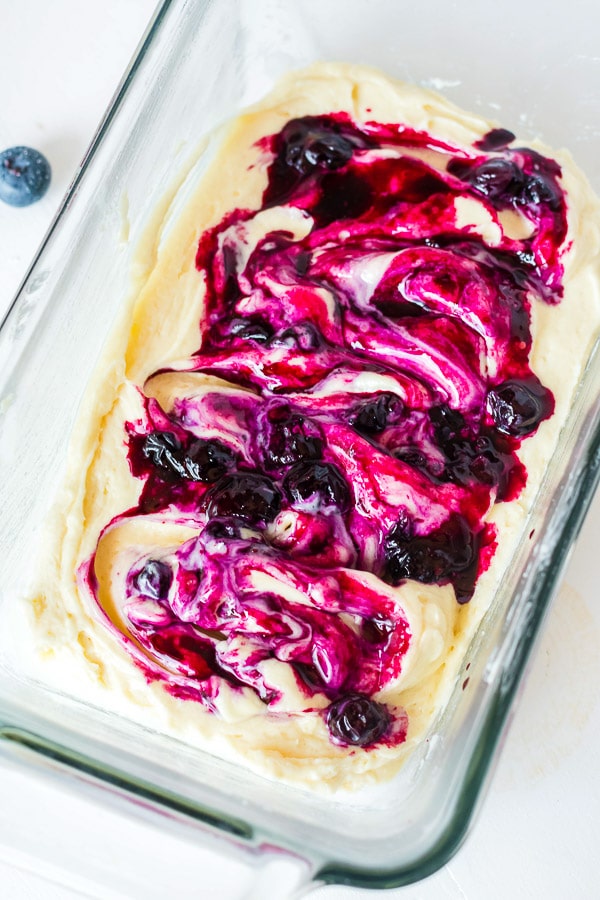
[{"x": 317, "y": 479}]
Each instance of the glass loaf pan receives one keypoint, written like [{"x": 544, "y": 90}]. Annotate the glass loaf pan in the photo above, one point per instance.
[{"x": 199, "y": 64}]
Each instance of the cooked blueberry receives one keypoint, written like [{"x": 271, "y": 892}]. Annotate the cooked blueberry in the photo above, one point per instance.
[
  {"x": 24, "y": 176},
  {"x": 376, "y": 630},
  {"x": 497, "y": 178},
  {"x": 154, "y": 580},
  {"x": 309, "y": 146},
  {"x": 496, "y": 139},
  {"x": 537, "y": 190},
  {"x": 222, "y": 529},
  {"x": 207, "y": 460},
  {"x": 251, "y": 329},
  {"x": 319, "y": 483},
  {"x": 433, "y": 558},
  {"x": 448, "y": 423},
  {"x": 518, "y": 408},
  {"x": 412, "y": 457},
  {"x": 302, "y": 336},
  {"x": 288, "y": 437},
  {"x": 302, "y": 262},
  {"x": 344, "y": 195},
  {"x": 201, "y": 460},
  {"x": 371, "y": 416},
  {"x": 244, "y": 495},
  {"x": 163, "y": 449},
  {"x": 357, "y": 720}
]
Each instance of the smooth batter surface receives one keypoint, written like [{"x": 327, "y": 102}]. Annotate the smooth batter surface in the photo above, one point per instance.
[{"x": 300, "y": 480}]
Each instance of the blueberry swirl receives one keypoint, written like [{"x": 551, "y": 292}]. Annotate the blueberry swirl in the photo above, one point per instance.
[{"x": 354, "y": 409}]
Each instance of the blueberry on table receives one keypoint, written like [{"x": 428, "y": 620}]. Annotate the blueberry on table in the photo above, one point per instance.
[
  {"x": 357, "y": 720},
  {"x": 24, "y": 176},
  {"x": 154, "y": 580}
]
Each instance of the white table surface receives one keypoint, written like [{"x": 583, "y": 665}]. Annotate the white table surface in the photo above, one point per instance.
[{"x": 536, "y": 835}]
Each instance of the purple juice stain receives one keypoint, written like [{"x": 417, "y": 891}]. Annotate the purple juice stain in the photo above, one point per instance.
[{"x": 318, "y": 458}]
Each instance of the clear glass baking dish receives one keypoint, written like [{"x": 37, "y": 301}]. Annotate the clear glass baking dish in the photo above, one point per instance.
[{"x": 199, "y": 64}]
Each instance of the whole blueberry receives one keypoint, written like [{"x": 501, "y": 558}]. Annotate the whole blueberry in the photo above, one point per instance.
[
  {"x": 371, "y": 417},
  {"x": 431, "y": 558},
  {"x": 24, "y": 176},
  {"x": 200, "y": 460},
  {"x": 244, "y": 495},
  {"x": 154, "y": 580},
  {"x": 301, "y": 336},
  {"x": 308, "y": 482},
  {"x": 288, "y": 437},
  {"x": 518, "y": 408},
  {"x": 497, "y": 178},
  {"x": 309, "y": 145},
  {"x": 357, "y": 720}
]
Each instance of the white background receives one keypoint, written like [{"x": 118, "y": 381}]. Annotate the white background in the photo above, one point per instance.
[{"x": 536, "y": 835}]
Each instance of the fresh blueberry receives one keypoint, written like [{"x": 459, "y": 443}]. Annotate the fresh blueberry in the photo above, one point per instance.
[
  {"x": 244, "y": 495},
  {"x": 322, "y": 483},
  {"x": 357, "y": 720},
  {"x": 288, "y": 437},
  {"x": 308, "y": 145},
  {"x": 24, "y": 176},
  {"x": 518, "y": 408},
  {"x": 371, "y": 417},
  {"x": 201, "y": 460},
  {"x": 154, "y": 580}
]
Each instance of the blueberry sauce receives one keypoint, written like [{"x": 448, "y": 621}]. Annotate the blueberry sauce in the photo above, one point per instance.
[{"x": 376, "y": 351}]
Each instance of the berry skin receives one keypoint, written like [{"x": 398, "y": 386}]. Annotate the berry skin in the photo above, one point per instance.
[
  {"x": 320, "y": 483},
  {"x": 309, "y": 146},
  {"x": 287, "y": 438},
  {"x": 518, "y": 408},
  {"x": 154, "y": 580},
  {"x": 24, "y": 176},
  {"x": 201, "y": 460},
  {"x": 244, "y": 495},
  {"x": 357, "y": 720}
]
